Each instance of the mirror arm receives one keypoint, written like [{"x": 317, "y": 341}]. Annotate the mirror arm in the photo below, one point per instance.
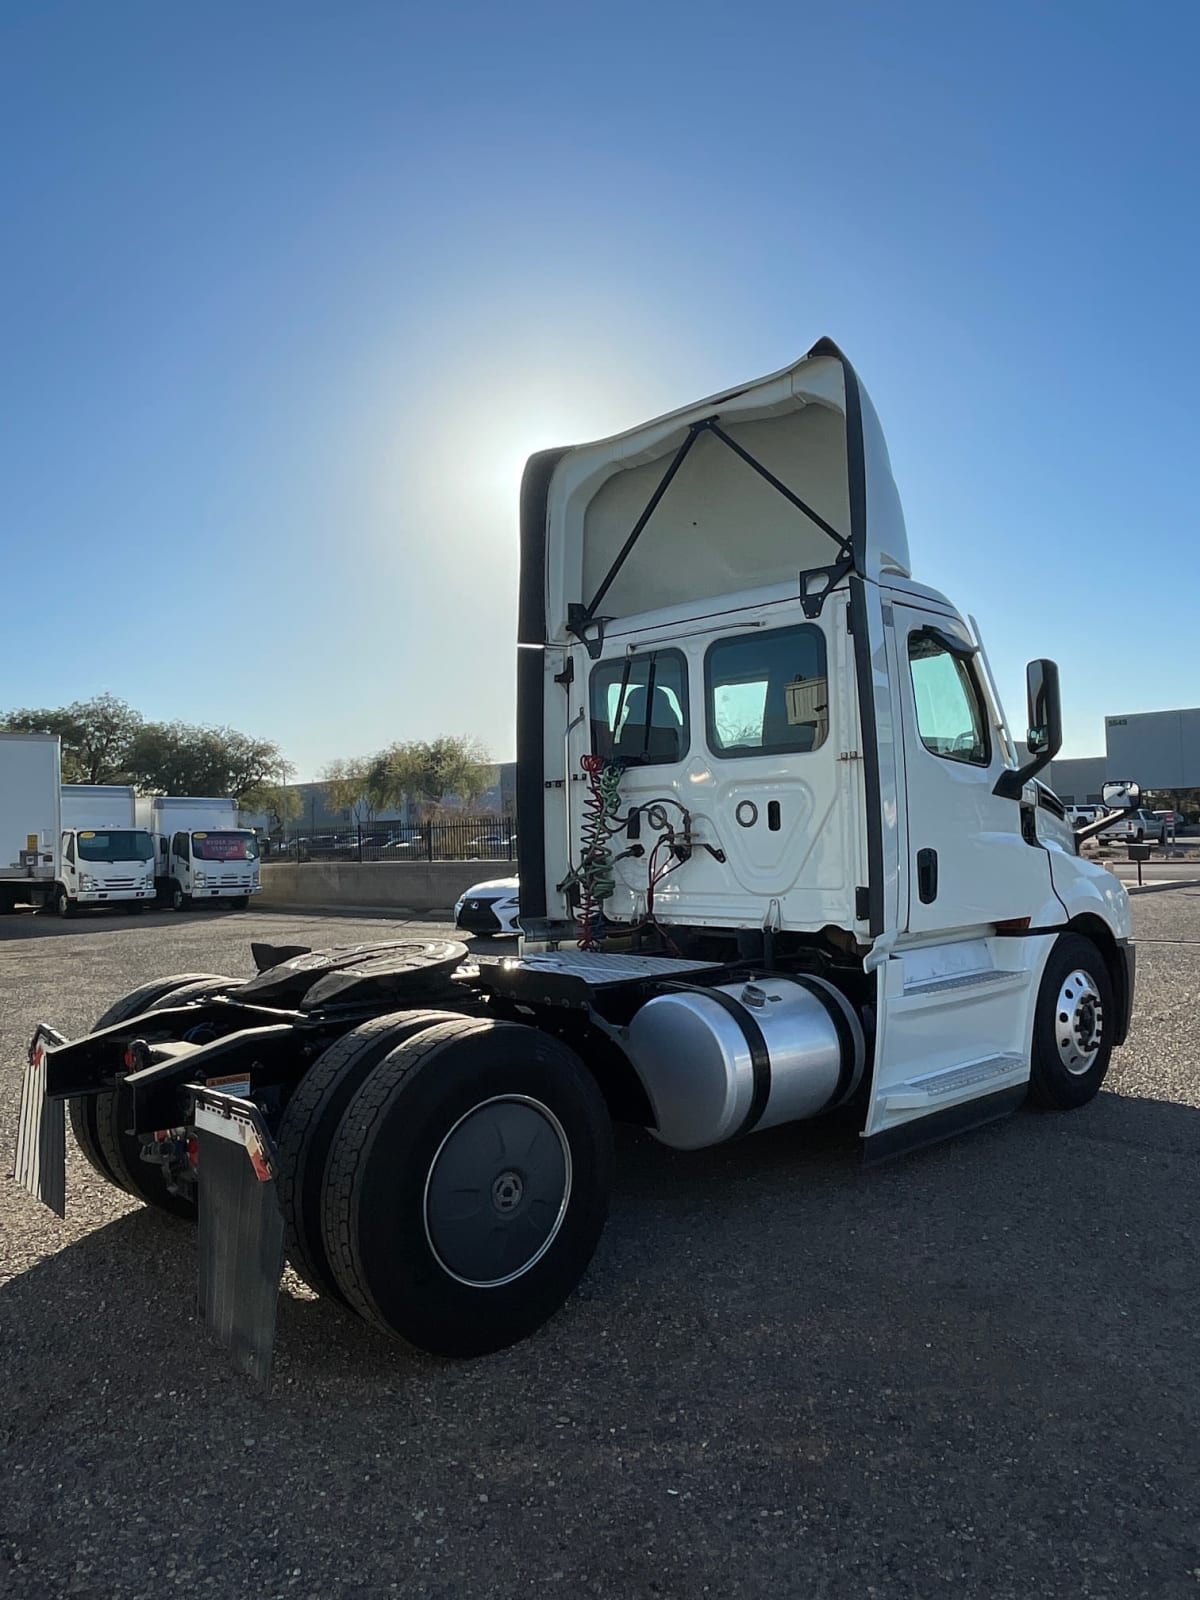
[
  {"x": 1091, "y": 829},
  {"x": 1012, "y": 780}
]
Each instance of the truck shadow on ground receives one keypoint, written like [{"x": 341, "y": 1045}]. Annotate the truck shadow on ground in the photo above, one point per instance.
[
  {"x": 979, "y": 1357},
  {"x": 1082, "y": 1222}
]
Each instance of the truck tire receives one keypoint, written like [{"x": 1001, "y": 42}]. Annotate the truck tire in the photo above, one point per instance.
[
  {"x": 179, "y": 900},
  {"x": 494, "y": 1111},
  {"x": 308, "y": 1127},
  {"x": 82, "y": 1108},
  {"x": 1072, "y": 1026},
  {"x": 63, "y": 904},
  {"x": 98, "y": 1121}
]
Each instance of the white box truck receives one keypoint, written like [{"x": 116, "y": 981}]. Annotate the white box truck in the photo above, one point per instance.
[
  {"x": 779, "y": 854},
  {"x": 200, "y": 852},
  {"x": 30, "y": 821},
  {"x": 104, "y": 857}
]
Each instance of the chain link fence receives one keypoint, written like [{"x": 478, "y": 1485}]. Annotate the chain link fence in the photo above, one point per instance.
[{"x": 458, "y": 839}]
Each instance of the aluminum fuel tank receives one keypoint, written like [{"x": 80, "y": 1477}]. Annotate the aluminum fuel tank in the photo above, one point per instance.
[{"x": 720, "y": 1062}]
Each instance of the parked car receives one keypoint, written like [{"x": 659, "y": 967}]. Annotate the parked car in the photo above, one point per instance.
[
  {"x": 1172, "y": 821},
  {"x": 1136, "y": 826},
  {"x": 1079, "y": 816},
  {"x": 496, "y": 845},
  {"x": 489, "y": 908},
  {"x": 321, "y": 847}
]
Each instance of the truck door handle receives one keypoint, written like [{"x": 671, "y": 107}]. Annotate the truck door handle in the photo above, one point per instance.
[{"x": 927, "y": 875}]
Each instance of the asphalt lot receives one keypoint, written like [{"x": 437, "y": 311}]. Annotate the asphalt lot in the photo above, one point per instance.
[{"x": 974, "y": 1371}]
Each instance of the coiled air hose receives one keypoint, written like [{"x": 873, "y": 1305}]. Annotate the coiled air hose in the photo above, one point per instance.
[{"x": 595, "y": 874}]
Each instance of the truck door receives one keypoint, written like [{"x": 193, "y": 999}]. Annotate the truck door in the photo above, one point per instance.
[
  {"x": 181, "y": 860},
  {"x": 968, "y": 862},
  {"x": 70, "y": 870}
]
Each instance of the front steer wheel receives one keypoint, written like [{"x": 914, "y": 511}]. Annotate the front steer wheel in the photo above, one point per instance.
[
  {"x": 467, "y": 1186},
  {"x": 1072, "y": 1026}
]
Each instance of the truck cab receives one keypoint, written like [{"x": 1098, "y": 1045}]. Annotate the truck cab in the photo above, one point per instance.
[
  {"x": 104, "y": 857},
  {"x": 746, "y": 729},
  {"x": 103, "y": 866},
  {"x": 201, "y": 853}
]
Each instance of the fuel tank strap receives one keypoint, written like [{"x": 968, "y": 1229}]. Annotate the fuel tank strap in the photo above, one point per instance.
[
  {"x": 760, "y": 1057},
  {"x": 851, "y": 1049}
]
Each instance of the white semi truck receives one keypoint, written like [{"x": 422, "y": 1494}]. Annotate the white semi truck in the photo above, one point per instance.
[
  {"x": 201, "y": 853},
  {"x": 778, "y": 857}
]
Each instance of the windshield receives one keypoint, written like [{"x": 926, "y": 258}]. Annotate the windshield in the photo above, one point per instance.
[
  {"x": 224, "y": 847},
  {"x": 122, "y": 845}
]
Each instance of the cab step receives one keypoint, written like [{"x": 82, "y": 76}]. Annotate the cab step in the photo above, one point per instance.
[{"x": 971, "y": 1078}]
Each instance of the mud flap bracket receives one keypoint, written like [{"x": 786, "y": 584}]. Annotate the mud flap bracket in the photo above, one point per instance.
[{"x": 241, "y": 1230}]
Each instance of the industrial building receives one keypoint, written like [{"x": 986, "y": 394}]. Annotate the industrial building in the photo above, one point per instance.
[{"x": 1160, "y": 750}]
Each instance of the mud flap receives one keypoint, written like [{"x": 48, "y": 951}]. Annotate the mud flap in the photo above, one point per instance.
[
  {"x": 241, "y": 1230},
  {"x": 40, "y": 1164}
]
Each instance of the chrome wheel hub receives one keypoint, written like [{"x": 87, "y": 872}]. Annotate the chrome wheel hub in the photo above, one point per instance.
[{"x": 1078, "y": 1022}]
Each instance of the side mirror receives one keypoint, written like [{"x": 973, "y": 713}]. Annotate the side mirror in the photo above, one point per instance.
[
  {"x": 1044, "y": 737},
  {"x": 1121, "y": 796},
  {"x": 1044, "y": 708}
]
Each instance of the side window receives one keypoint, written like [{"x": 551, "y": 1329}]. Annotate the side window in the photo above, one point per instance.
[
  {"x": 639, "y": 708},
  {"x": 767, "y": 693},
  {"x": 950, "y": 715},
  {"x": 179, "y": 846},
  {"x": 70, "y": 837}
]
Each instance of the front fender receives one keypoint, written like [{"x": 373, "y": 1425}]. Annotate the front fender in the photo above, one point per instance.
[{"x": 1088, "y": 889}]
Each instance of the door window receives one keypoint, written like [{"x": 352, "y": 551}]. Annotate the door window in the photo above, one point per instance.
[
  {"x": 767, "y": 693},
  {"x": 950, "y": 717},
  {"x": 639, "y": 709},
  {"x": 70, "y": 847},
  {"x": 179, "y": 846}
]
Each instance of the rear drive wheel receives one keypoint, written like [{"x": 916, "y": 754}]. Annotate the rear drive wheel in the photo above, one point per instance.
[
  {"x": 468, "y": 1185},
  {"x": 1072, "y": 1028},
  {"x": 308, "y": 1127},
  {"x": 99, "y": 1121}
]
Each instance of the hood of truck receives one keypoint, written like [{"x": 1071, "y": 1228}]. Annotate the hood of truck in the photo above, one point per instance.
[{"x": 671, "y": 513}]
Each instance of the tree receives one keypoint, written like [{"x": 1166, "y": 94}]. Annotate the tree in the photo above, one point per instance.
[
  {"x": 97, "y": 736},
  {"x": 177, "y": 758},
  {"x": 434, "y": 771},
  {"x": 348, "y": 787},
  {"x": 275, "y": 797}
]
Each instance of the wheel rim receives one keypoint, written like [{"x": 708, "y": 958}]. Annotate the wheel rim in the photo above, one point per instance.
[
  {"x": 1078, "y": 1022},
  {"x": 497, "y": 1191}
]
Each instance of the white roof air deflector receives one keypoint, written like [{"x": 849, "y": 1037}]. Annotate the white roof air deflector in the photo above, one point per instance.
[
  {"x": 783, "y": 477},
  {"x": 582, "y": 614}
]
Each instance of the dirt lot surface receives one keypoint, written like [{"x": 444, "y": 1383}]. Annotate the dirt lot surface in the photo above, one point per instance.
[{"x": 975, "y": 1371}]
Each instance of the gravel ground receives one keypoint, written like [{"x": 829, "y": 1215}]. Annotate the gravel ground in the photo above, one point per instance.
[{"x": 972, "y": 1372}]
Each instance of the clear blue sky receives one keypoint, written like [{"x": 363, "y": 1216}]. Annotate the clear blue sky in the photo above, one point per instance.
[{"x": 290, "y": 290}]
